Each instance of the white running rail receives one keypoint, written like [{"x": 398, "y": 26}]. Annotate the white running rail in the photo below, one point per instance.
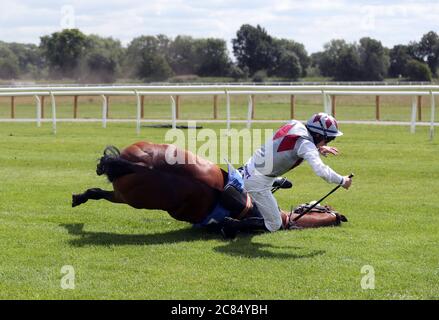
[{"x": 325, "y": 91}]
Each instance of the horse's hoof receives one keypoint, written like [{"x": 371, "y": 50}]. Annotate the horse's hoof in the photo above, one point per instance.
[{"x": 76, "y": 200}]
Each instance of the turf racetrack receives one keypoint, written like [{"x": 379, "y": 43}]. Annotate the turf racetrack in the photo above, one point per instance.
[{"x": 122, "y": 253}]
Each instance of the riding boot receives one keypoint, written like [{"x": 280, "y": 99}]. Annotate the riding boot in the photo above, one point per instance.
[
  {"x": 233, "y": 200},
  {"x": 232, "y": 226}
]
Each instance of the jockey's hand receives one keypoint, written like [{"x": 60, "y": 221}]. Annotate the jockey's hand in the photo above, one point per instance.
[
  {"x": 346, "y": 182},
  {"x": 325, "y": 150}
]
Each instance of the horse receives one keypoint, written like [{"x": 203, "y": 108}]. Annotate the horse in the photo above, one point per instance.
[{"x": 147, "y": 175}]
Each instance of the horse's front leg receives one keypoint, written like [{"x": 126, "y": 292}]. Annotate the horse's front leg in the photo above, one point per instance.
[{"x": 94, "y": 194}]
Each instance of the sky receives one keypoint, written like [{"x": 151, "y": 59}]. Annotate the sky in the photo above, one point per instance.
[{"x": 312, "y": 23}]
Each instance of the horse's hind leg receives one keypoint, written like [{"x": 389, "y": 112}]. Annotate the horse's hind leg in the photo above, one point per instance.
[{"x": 93, "y": 194}]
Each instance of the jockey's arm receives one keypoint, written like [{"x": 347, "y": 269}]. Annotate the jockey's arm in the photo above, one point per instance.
[{"x": 308, "y": 151}]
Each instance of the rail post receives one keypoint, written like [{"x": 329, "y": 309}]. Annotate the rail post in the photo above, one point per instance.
[
  {"x": 75, "y": 106},
  {"x": 104, "y": 110},
  {"x": 413, "y": 119},
  {"x": 12, "y": 107},
  {"x": 253, "y": 105},
  {"x": 38, "y": 103},
  {"x": 433, "y": 107},
  {"x": 42, "y": 106},
  {"x": 138, "y": 112},
  {"x": 326, "y": 102},
  {"x": 249, "y": 112},
  {"x": 333, "y": 104},
  {"x": 142, "y": 106},
  {"x": 52, "y": 97},
  {"x": 108, "y": 106},
  {"x": 377, "y": 107},
  {"x": 292, "y": 106},
  {"x": 173, "y": 113},
  {"x": 228, "y": 109},
  {"x": 215, "y": 107},
  {"x": 177, "y": 107}
]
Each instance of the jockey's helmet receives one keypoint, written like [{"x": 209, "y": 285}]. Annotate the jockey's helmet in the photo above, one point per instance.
[{"x": 325, "y": 125}]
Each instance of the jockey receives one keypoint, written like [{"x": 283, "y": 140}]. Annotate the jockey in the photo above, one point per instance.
[{"x": 290, "y": 145}]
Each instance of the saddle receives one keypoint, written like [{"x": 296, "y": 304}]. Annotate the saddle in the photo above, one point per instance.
[{"x": 319, "y": 216}]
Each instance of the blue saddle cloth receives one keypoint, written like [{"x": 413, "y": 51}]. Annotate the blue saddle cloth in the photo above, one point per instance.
[{"x": 218, "y": 214}]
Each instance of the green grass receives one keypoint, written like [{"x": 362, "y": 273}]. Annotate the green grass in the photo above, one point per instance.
[
  {"x": 122, "y": 253},
  {"x": 191, "y": 107}
]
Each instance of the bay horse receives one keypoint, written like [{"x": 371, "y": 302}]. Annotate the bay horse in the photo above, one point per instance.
[{"x": 143, "y": 177}]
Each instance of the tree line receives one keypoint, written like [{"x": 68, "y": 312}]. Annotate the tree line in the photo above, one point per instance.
[{"x": 70, "y": 54}]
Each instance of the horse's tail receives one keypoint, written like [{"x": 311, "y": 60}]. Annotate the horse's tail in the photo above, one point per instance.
[{"x": 112, "y": 165}]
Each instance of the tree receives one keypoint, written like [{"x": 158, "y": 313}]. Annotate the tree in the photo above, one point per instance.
[
  {"x": 163, "y": 44},
  {"x": 374, "y": 60},
  {"x": 29, "y": 58},
  {"x": 183, "y": 55},
  {"x": 428, "y": 50},
  {"x": 418, "y": 71},
  {"x": 101, "y": 62},
  {"x": 343, "y": 61},
  {"x": 328, "y": 60},
  {"x": 213, "y": 57},
  {"x": 399, "y": 56},
  {"x": 435, "y": 62},
  {"x": 340, "y": 61},
  {"x": 154, "y": 67},
  {"x": 425, "y": 51},
  {"x": 316, "y": 59},
  {"x": 295, "y": 52},
  {"x": 237, "y": 73},
  {"x": 260, "y": 76},
  {"x": 133, "y": 56},
  {"x": 348, "y": 66},
  {"x": 63, "y": 52},
  {"x": 146, "y": 58},
  {"x": 288, "y": 65},
  {"x": 253, "y": 48},
  {"x": 9, "y": 66}
]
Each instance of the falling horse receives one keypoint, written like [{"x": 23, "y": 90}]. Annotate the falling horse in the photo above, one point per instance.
[{"x": 162, "y": 176}]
